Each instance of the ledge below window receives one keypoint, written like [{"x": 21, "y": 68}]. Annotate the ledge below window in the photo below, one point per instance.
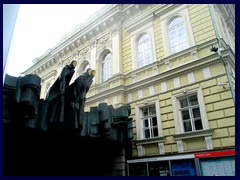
[
  {"x": 149, "y": 140},
  {"x": 193, "y": 134}
]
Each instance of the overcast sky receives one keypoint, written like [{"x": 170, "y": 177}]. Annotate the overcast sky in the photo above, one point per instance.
[{"x": 39, "y": 27}]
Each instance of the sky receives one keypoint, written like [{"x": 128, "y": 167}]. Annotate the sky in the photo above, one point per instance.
[{"x": 40, "y": 27}]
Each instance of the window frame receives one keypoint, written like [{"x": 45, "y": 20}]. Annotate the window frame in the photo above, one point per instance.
[
  {"x": 144, "y": 44},
  {"x": 180, "y": 11},
  {"x": 179, "y": 129},
  {"x": 104, "y": 60},
  {"x": 149, "y": 119},
  {"x": 139, "y": 125},
  {"x": 179, "y": 43},
  {"x": 135, "y": 36},
  {"x": 189, "y": 109}
]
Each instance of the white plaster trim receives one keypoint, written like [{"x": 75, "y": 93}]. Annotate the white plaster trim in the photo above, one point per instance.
[
  {"x": 163, "y": 86},
  {"x": 191, "y": 78},
  {"x": 140, "y": 94},
  {"x": 176, "y": 82},
  {"x": 206, "y": 72}
]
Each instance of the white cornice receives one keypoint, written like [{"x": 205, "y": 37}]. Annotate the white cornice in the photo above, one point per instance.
[
  {"x": 109, "y": 16},
  {"x": 173, "y": 72},
  {"x": 49, "y": 75}
]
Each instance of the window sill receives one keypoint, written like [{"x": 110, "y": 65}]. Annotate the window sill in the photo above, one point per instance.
[
  {"x": 193, "y": 134},
  {"x": 149, "y": 141}
]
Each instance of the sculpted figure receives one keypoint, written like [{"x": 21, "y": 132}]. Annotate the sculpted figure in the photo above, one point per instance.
[
  {"x": 55, "y": 100},
  {"x": 76, "y": 99}
]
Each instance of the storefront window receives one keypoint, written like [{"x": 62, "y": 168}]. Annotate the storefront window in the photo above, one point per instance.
[
  {"x": 219, "y": 166},
  {"x": 138, "y": 169},
  {"x": 183, "y": 168},
  {"x": 159, "y": 168}
]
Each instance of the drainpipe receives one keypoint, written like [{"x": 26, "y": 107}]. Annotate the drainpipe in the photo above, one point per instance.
[{"x": 220, "y": 54}]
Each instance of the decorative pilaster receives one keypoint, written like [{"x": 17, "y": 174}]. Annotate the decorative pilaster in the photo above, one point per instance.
[
  {"x": 116, "y": 48},
  {"x": 140, "y": 151},
  {"x": 208, "y": 141},
  {"x": 161, "y": 148},
  {"x": 167, "y": 63},
  {"x": 93, "y": 59},
  {"x": 180, "y": 146},
  {"x": 194, "y": 55}
]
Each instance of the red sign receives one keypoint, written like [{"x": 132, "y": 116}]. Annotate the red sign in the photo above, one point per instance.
[{"x": 214, "y": 154}]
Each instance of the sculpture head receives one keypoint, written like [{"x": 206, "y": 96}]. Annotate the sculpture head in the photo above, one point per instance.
[
  {"x": 89, "y": 71},
  {"x": 73, "y": 63},
  {"x": 93, "y": 73}
]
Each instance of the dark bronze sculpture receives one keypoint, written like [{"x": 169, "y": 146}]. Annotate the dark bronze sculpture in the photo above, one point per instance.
[
  {"x": 48, "y": 134},
  {"x": 76, "y": 99},
  {"x": 55, "y": 101}
]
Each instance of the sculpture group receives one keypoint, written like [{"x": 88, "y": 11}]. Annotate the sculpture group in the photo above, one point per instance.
[
  {"x": 64, "y": 104},
  {"x": 48, "y": 134},
  {"x": 63, "y": 107}
]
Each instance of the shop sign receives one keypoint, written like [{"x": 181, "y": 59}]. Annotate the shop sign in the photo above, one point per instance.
[{"x": 214, "y": 154}]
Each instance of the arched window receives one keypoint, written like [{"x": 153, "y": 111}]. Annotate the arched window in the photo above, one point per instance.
[
  {"x": 177, "y": 35},
  {"x": 106, "y": 67},
  {"x": 144, "y": 51},
  {"x": 82, "y": 67}
]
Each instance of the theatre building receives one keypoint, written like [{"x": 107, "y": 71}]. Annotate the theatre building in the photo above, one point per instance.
[{"x": 174, "y": 64}]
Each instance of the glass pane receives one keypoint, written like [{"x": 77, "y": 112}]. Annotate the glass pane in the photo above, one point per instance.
[
  {"x": 181, "y": 30},
  {"x": 141, "y": 64},
  {"x": 140, "y": 49},
  {"x": 152, "y": 110},
  {"x": 137, "y": 169},
  {"x": 148, "y": 54},
  {"x": 196, "y": 112},
  {"x": 146, "y": 133},
  {"x": 147, "y": 46},
  {"x": 183, "y": 103},
  {"x": 185, "y": 114},
  {"x": 183, "y": 38},
  {"x": 174, "y": 42},
  {"x": 159, "y": 168},
  {"x": 178, "y": 20},
  {"x": 172, "y": 24},
  {"x": 154, "y": 121},
  {"x": 155, "y": 132},
  {"x": 145, "y": 122},
  {"x": 198, "y": 124},
  {"x": 145, "y": 112},
  {"x": 187, "y": 126},
  {"x": 176, "y": 49},
  {"x": 148, "y": 60},
  {"x": 172, "y": 34},
  {"x": 185, "y": 45},
  {"x": 193, "y": 100},
  {"x": 140, "y": 57}
]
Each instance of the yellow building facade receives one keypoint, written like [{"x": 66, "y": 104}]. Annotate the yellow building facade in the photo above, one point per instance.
[{"x": 157, "y": 58}]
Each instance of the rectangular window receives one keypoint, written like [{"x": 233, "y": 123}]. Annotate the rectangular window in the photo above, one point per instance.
[
  {"x": 190, "y": 113},
  {"x": 149, "y": 120}
]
